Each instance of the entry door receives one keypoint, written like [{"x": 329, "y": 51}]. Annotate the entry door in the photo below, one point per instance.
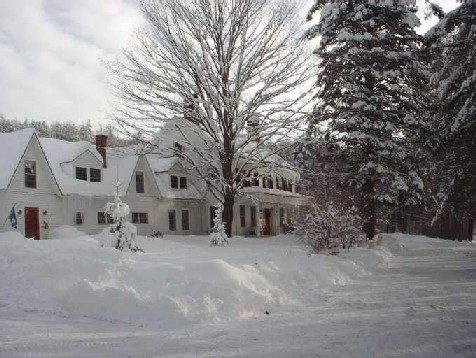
[
  {"x": 32, "y": 223},
  {"x": 267, "y": 222}
]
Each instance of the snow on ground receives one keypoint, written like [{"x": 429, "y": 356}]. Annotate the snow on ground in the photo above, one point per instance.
[{"x": 405, "y": 297}]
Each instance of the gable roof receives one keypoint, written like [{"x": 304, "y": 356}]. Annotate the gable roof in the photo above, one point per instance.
[
  {"x": 12, "y": 146},
  {"x": 120, "y": 166}
]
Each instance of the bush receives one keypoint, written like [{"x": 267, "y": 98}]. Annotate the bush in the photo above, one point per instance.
[{"x": 327, "y": 228}]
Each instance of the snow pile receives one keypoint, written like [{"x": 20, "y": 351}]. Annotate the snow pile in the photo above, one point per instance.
[{"x": 177, "y": 280}]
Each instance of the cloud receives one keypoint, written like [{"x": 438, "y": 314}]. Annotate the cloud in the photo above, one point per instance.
[{"x": 52, "y": 52}]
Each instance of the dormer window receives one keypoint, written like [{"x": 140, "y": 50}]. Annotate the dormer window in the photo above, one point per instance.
[
  {"x": 178, "y": 182},
  {"x": 30, "y": 174},
  {"x": 174, "y": 182},
  {"x": 94, "y": 175},
  {"x": 183, "y": 182},
  {"x": 81, "y": 173},
  {"x": 178, "y": 147}
]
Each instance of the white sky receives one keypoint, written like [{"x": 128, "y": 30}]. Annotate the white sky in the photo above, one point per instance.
[{"x": 51, "y": 55}]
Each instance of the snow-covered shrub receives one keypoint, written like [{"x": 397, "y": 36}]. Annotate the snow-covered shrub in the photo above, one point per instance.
[
  {"x": 218, "y": 235},
  {"x": 120, "y": 233},
  {"x": 327, "y": 227}
]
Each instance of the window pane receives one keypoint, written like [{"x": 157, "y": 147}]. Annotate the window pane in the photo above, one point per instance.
[
  {"x": 185, "y": 220},
  {"x": 174, "y": 182},
  {"x": 183, "y": 182},
  {"x": 253, "y": 216},
  {"x": 94, "y": 175},
  {"x": 135, "y": 218},
  {"x": 81, "y": 173},
  {"x": 143, "y": 218},
  {"x": 139, "y": 182},
  {"x": 172, "y": 223},
  {"x": 79, "y": 220},
  {"x": 30, "y": 174},
  {"x": 242, "y": 216},
  {"x": 101, "y": 218}
]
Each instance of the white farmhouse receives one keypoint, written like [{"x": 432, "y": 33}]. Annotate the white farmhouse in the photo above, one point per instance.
[{"x": 50, "y": 182}]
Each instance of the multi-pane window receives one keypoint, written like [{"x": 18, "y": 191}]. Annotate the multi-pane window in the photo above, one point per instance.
[
  {"x": 253, "y": 216},
  {"x": 185, "y": 220},
  {"x": 104, "y": 218},
  {"x": 242, "y": 216},
  {"x": 212, "y": 216},
  {"x": 172, "y": 221},
  {"x": 30, "y": 174},
  {"x": 139, "y": 182},
  {"x": 81, "y": 173},
  {"x": 174, "y": 181},
  {"x": 94, "y": 175},
  {"x": 178, "y": 182},
  {"x": 79, "y": 218},
  {"x": 183, "y": 182},
  {"x": 140, "y": 218}
]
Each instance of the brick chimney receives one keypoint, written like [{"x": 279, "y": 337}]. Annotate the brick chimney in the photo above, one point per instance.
[{"x": 101, "y": 145}]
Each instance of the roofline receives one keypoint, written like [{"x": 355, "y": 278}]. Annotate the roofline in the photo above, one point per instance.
[{"x": 34, "y": 134}]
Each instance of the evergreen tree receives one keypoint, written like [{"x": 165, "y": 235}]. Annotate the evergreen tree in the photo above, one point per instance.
[
  {"x": 373, "y": 84},
  {"x": 453, "y": 42}
]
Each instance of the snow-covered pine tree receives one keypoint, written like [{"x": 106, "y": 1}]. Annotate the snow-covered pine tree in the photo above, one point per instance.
[
  {"x": 218, "y": 235},
  {"x": 372, "y": 86},
  {"x": 124, "y": 233},
  {"x": 453, "y": 43}
]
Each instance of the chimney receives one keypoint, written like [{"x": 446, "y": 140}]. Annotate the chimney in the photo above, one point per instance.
[{"x": 101, "y": 144}]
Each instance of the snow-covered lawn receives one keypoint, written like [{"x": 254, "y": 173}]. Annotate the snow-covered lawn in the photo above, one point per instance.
[{"x": 407, "y": 296}]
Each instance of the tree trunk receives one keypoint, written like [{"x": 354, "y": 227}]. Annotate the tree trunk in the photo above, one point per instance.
[
  {"x": 228, "y": 202},
  {"x": 369, "y": 208}
]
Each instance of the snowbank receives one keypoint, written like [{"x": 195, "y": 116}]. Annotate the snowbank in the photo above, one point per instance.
[{"x": 178, "y": 280}]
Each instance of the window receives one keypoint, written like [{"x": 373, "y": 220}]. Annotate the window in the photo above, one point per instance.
[
  {"x": 30, "y": 174},
  {"x": 139, "y": 182},
  {"x": 242, "y": 216},
  {"x": 279, "y": 183},
  {"x": 253, "y": 216},
  {"x": 281, "y": 217},
  {"x": 174, "y": 181},
  {"x": 79, "y": 218},
  {"x": 270, "y": 182},
  {"x": 104, "y": 218},
  {"x": 178, "y": 147},
  {"x": 140, "y": 218},
  {"x": 183, "y": 182},
  {"x": 255, "y": 181},
  {"x": 185, "y": 220},
  {"x": 81, "y": 173},
  {"x": 172, "y": 222},
  {"x": 212, "y": 216},
  {"x": 94, "y": 175}
]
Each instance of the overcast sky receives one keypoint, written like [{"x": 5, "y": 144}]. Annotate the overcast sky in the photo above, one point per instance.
[{"x": 51, "y": 55}]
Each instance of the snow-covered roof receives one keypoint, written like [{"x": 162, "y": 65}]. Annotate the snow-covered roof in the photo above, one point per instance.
[
  {"x": 158, "y": 164},
  {"x": 12, "y": 147},
  {"x": 163, "y": 183},
  {"x": 120, "y": 166}
]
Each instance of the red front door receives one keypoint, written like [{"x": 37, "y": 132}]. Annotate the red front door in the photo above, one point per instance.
[{"x": 32, "y": 223}]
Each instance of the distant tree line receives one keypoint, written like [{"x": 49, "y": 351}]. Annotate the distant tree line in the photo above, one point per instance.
[{"x": 68, "y": 131}]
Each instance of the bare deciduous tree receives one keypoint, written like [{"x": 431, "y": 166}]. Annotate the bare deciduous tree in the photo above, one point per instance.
[{"x": 230, "y": 75}]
